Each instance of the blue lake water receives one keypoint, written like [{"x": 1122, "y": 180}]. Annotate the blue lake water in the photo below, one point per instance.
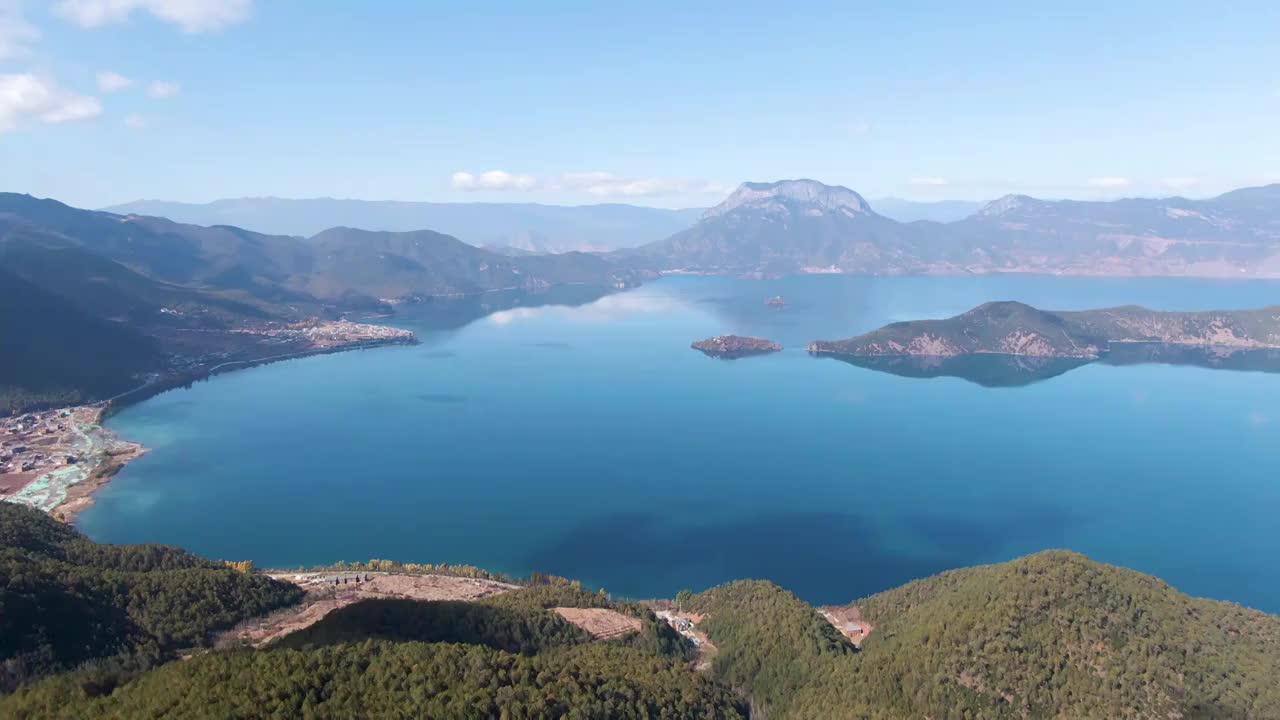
[{"x": 587, "y": 439}]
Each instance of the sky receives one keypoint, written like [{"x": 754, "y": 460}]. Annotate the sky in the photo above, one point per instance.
[{"x": 657, "y": 103}]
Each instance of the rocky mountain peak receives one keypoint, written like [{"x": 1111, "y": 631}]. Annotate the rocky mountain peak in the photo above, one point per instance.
[
  {"x": 1006, "y": 205},
  {"x": 809, "y": 196}
]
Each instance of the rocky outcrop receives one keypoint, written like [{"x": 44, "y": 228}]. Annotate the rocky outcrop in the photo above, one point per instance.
[{"x": 729, "y": 347}]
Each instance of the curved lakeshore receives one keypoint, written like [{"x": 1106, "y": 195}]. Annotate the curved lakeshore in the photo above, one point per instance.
[{"x": 67, "y": 454}]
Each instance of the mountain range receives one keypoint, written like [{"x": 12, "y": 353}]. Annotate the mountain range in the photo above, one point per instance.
[
  {"x": 96, "y": 300},
  {"x": 334, "y": 265},
  {"x": 805, "y": 226},
  {"x": 511, "y": 228},
  {"x": 528, "y": 227}
]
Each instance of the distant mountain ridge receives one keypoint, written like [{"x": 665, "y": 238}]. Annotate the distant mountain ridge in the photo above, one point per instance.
[
  {"x": 794, "y": 226},
  {"x": 333, "y": 266},
  {"x": 99, "y": 302},
  {"x": 524, "y": 226}
]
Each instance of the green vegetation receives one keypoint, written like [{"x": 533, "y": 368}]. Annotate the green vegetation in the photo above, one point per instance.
[
  {"x": 1052, "y": 635},
  {"x": 525, "y": 631},
  {"x": 655, "y": 636},
  {"x": 56, "y": 354},
  {"x": 770, "y": 642},
  {"x": 397, "y": 680},
  {"x": 1049, "y": 635},
  {"x": 1013, "y": 328},
  {"x": 395, "y": 566},
  {"x": 65, "y": 600}
]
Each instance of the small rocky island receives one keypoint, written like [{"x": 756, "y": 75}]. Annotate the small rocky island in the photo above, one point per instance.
[
  {"x": 730, "y": 347},
  {"x": 1013, "y": 328}
]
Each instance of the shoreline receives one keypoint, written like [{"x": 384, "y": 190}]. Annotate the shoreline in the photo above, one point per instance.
[{"x": 64, "y": 492}]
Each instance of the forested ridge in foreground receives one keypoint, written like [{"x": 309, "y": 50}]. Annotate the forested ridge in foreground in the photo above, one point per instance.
[
  {"x": 66, "y": 601},
  {"x": 1051, "y": 635}
]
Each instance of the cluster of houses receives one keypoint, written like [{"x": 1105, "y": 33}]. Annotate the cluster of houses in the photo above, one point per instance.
[{"x": 18, "y": 434}]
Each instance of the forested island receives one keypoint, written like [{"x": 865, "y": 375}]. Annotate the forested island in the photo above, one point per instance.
[
  {"x": 731, "y": 347},
  {"x": 95, "y": 631},
  {"x": 1014, "y": 328}
]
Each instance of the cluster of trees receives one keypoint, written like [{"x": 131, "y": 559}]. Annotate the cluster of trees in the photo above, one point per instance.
[
  {"x": 522, "y": 630},
  {"x": 395, "y": 566},
  {"x": 770, "y": 642},
  {"x": 377, "y": 678},
  {"x": 654, "y": 636},
  {"x": 65, "y": 600},
  {"x": 1049, "y": 635}
]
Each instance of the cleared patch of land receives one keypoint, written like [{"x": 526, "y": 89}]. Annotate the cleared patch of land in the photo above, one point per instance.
[
  {"x": 602, "y": 623},
  {"x": 327, "y": 592},
  {"x": 686, "y": 623},
  {"x": 848, "y": 620}
]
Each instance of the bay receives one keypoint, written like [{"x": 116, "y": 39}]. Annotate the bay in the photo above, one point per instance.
[{"x": 579, "y": 435}]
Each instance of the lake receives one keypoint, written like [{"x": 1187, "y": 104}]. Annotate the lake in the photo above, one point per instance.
[{"x": 580, "y": 435}]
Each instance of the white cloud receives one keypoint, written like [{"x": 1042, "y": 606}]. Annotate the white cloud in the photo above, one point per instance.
[
  {"x": 929, "y": 181},
  {"x": 109, "y": 82},
  {"x": 193, "y": 16},
  {"x": 1109, "y": 182},
  {"x": 26, "y": 97},
  {"x": 600, "y": 184},
  {"x": 16, "y": 34},
  {"x": 134, "y": 121},
  {"x": 162, "y": 89},
  {"x": 860, "y": 128},
  {"x": 605, "y": 184},
  {"x": 493, "y": 180}
]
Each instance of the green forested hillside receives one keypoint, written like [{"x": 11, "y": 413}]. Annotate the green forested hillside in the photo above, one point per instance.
[
  {"x": 515, "y": 630},
  {"x": 65, "y": 600},
  {"x": 380, "y": 679},
  {"x": 1052, "y": 635},
  {"x": 54, "y": 353}
]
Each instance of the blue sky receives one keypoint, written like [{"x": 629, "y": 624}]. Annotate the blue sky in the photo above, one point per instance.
[{"x": 653, "y": 103}]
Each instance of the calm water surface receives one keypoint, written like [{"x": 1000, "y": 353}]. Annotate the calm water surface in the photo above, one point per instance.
[{"x": 584, "y": 438}]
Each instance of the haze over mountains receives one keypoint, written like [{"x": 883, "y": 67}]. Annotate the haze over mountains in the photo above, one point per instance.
[
  {"x": 804, "y": 226},
  {"x": 523, "y": 226},
  {"x": 507, "y": 227}
]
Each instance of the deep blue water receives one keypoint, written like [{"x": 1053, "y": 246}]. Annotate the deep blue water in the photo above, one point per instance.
[{"x": 588, "y": 440}]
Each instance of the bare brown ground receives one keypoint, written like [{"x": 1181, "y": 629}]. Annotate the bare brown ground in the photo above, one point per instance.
[
  {"x": 848, "y": 620},
  {"x": 602, "y": 623},
  {"x": 13, "y": 482},
  {"x": 323, "y": 597},
  {"x": 667, "y": 611}
]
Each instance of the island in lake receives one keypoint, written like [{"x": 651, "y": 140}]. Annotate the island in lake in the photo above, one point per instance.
[
  {"x": 1013, "y": 328},
  {"x": 730, "y": 347}
]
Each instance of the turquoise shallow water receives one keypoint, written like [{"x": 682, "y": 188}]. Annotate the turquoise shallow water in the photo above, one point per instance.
[{"x": 586, "y": 439}]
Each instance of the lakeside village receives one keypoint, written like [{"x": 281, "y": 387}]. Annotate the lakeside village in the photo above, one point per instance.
[{"x": 47, "y": 455}]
